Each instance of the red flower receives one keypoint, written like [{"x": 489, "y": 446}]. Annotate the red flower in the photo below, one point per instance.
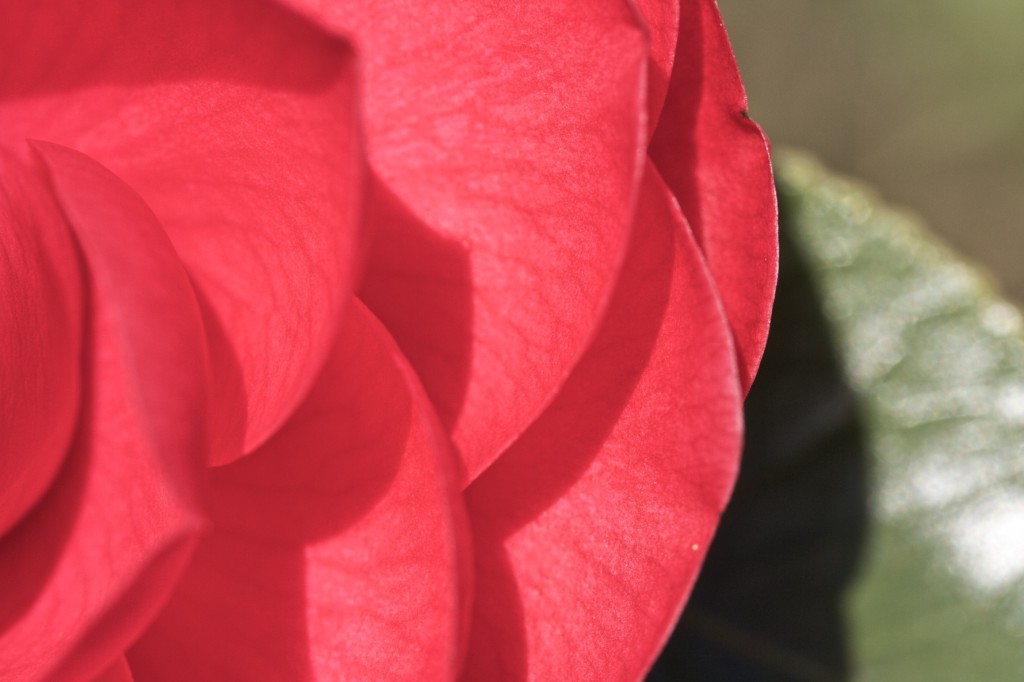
[{"x": 391, "y": 361}]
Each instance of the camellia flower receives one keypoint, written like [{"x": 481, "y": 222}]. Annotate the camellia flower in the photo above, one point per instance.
[{"x": 368, "y": 340}]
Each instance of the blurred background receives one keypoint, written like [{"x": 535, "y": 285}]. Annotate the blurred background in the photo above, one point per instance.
[{"x": 924, "y": 99}]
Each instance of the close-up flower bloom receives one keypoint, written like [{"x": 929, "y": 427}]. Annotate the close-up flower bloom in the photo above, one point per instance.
[{"x": 368, "y": 340}]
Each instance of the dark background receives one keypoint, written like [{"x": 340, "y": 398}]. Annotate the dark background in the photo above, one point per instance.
[{"x": 924, "y": 99}]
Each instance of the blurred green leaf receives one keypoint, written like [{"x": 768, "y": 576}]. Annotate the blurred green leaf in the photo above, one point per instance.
[
  {"x": 877, "y": 528},
  {"x": 936, "y": 359}
]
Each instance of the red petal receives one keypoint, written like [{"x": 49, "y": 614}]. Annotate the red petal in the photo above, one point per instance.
[
  {"x": 40, "y": 338},
  {"x": 715, "y": 160},
  {"x": 117, "y": 672},
  {"x": 235, "y": 122},
  {"x": 662, "y": 21},
  {"x": 93, "y": 561},
  {"x": 511, "y": 137},
  {"x": 590, "y": 530},
  {"x": 335, "y": 551}
]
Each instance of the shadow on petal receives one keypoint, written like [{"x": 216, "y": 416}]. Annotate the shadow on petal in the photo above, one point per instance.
[
  {"x": 97, "y": 557},
  {"x": 30, "y": 552},
  {"x": 335, "y": 543},
  {"x": 770, "y": 603},
  {"x": 549, "y": 459},
  {"x": 419, "y": 284},
  {"x": 237, "y": 124},
  {"x": 715, "y": 160}
]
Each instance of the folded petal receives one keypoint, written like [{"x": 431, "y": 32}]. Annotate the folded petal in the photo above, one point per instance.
[
  {"x": 661, "y": 18},
  {"x": 589, "y": 531},
  {"x": 40, "y": 337},
  {"x": 116, "y": 672},
  {"x": 513, "y": 133},
  {"x": 235, "y": 122},
  {"x": 94, "y": 560},
  {"x": 715, "y": 160},
  {"x": 336, "y": 548}
]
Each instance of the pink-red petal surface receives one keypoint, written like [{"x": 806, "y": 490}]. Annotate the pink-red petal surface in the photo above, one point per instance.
[
  {"x": 336, "y": 546},
  {"x": 40, "y": 337},
  {"x": 116, "y": 672},
  {"x": 234, "y": 120},
  {"x": 510, "y": 137},
  {"x": 661, "y": 17},
  {"x": 590, "y": 530},
  {"x": 93, "y": 561},
  {"x": 715, "y": 160}
]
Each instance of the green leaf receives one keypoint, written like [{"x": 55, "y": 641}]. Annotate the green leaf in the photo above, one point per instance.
[
  {"x": 936, "y": 359},
  {"x": 877, "y": 529}
]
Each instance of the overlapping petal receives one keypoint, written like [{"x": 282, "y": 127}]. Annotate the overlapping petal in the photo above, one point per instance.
[
  {"x": 116, "y": 672},
  {"x": 93, "y": 561},
  {"x": 513, "y": 133},
  {"x": 590, "y": 530},
  {"x": 715, "y": 160},
  {"x": 529, "y": 266},
  {"x": 338, "y": 546},
  {"x": 661, "y": 18},
  {"x": 40, "y": 337},
  {"x": 235, "y": 122}
]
